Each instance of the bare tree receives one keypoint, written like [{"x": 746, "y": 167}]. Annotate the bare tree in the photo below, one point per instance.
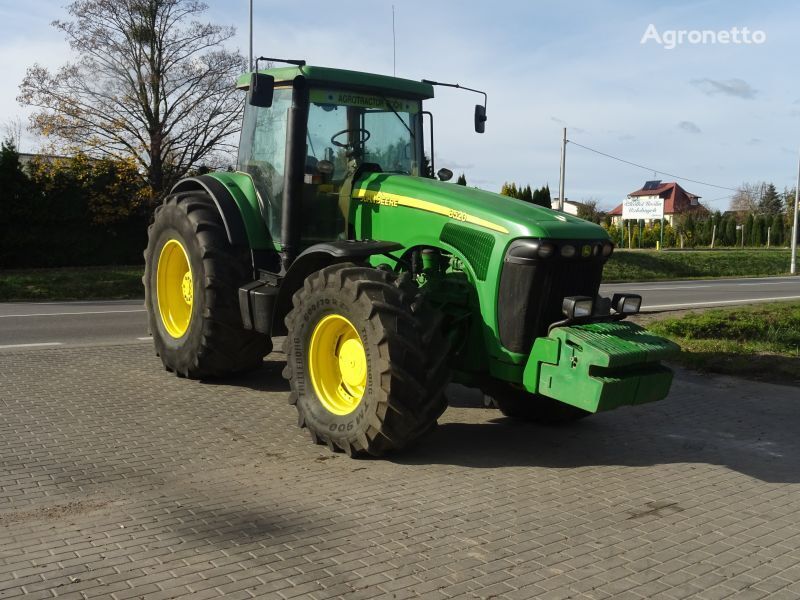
[
  {"x": 151, "y": 83},
  {"x": 587, "y": 209},
  {"x": 747, "y": 197},
  {"x": 12, "y": 131}
]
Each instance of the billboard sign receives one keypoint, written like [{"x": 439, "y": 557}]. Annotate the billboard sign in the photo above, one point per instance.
[{"x": 643, "y": 207}]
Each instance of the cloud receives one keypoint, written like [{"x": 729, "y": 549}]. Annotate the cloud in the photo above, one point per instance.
[
  {"x": 737, "y": 88},
  {"x": 563, "y": 123},
  {"x": 753, "y": 142},
  {"x": 626, "y": 137},
  {"x": 454, "y": 165},
  {"x": 688, "y": 127}
]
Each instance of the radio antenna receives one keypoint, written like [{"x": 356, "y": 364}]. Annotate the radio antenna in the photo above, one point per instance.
[
  {"x": 394, "y": 47},
  {"x": 250, "y": 63}
]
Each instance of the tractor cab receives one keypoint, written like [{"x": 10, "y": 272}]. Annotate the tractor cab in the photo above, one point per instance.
[{"x": 320, "y": 129}]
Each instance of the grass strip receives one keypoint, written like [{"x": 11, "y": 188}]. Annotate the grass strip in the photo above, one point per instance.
[
  {"x": 72, "y": 283},
  {"x": 759, "y": 342},
  {"x": 644, "y": 265}
]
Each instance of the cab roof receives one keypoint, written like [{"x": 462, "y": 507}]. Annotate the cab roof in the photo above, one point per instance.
[{"x": 343, "y": 77}]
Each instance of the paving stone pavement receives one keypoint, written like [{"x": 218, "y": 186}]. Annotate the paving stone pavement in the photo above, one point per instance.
[{"x": 120, "y": 480}]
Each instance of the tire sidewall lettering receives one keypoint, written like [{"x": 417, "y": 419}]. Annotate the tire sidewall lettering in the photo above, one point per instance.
[{"x": 320, "y": 305}]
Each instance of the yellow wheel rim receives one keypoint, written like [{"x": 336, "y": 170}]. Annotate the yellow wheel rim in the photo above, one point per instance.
[
  {"x": 174, "y": 288},
  {"x": 337, "y": 364}
]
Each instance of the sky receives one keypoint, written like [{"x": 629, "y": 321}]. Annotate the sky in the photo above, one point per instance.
[{"x": 719, "y": 113}]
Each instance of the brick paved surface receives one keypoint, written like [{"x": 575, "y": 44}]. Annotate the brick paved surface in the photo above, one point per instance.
[{"x": 120, "y": 480}]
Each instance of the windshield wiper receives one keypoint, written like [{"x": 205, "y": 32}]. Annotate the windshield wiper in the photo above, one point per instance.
[{"x": 396, "y": 114}]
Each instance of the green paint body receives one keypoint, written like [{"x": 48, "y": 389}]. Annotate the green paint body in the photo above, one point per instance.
[
  {"x": 600, "y": 366},
  {"x": 594, "y": 367}
]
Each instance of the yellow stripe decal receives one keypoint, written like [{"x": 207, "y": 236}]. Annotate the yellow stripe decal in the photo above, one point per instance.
[{"x": 387, "y": 199}]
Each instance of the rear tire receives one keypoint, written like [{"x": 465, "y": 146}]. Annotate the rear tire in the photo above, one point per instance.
[
  {"x": 194, "y": 317},
  {"x": 520, "y": 404},
  {"x": 395, "y": 392}
]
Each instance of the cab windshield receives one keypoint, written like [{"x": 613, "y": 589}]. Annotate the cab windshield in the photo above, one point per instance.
[{"x": 371, "y": 129}]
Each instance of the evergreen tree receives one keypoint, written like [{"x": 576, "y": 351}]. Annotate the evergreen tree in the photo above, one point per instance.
[
  {"x": 542, "y": 197},
  {"x": 747, "y": 232},
  {"x": 770, "y": 203},
  {"x": 462, "y": 180},
  {"x": 16, "y": 201},
  {"x": 788, "y": 200},
  {"x": 776, "y": 234},
  {"x": 546, "y": 194},
  {"x": 730, "y": 232},
  {"x": 527, "y": 194},
  {"x": 758, "y": 237}
]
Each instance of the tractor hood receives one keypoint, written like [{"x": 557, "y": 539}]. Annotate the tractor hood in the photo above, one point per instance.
[{"x": 490, "y": 211}]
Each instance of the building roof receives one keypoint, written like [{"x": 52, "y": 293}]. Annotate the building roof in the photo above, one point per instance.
[
  {"x": 356, "y": 79},
  {"x": 676, "y": 199}
]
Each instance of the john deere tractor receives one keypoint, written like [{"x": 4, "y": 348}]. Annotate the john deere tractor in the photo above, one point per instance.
[{"x": 387, "y": 283}]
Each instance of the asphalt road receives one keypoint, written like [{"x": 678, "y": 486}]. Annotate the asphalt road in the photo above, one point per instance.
[{"x": 43, "y": 324}]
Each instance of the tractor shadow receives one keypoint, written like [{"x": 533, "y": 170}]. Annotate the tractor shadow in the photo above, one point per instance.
[
  {"x": 748, "y": 427},
  {"x": 266, "y": 378}
]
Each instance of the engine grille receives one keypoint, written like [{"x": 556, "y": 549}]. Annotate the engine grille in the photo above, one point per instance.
[{"x": 530, "y": 296}]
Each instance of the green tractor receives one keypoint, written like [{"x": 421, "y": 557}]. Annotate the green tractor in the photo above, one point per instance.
[{"x": 387, "y": 283}]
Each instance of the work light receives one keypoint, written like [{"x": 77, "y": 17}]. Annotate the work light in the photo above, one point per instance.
[
  {"x": 626, "y": 304},
  {"x": 575, "y": 307}
]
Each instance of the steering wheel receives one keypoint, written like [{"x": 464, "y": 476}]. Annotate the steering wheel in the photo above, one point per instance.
[{"x": 363, "y": 135}]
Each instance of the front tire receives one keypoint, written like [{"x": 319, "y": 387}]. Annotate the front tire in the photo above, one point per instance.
[
  {"x": 191, "y": 281},
  {"x": 365, "y": 376}
]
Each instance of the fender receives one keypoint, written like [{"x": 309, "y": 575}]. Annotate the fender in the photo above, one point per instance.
[
  {"x": 264, "y": 304},
  {"x": 226, "y": 205}
]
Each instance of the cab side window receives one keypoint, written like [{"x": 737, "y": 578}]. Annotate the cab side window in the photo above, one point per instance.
[{"x": 262, "y": 154}]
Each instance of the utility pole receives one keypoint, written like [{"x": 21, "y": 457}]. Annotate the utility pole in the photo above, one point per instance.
[
  {"x": 713, "y": 236},
  {"x": 250, "y": 63},
  {"x": 563, "y": 166},
  {"x": 793, "y": 269}
]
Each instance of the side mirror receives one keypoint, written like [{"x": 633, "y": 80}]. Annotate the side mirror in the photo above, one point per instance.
[
  {"x": 480, "y": 118},
  {"x": 444, "y": 174},
  {"x": 261, "y": 90},
  {"x": 325, "y": 167}
]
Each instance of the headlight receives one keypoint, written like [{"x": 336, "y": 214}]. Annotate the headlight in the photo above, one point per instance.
[
  {"x": 546, "y": 250},
  {"x": 577, "y": 306},
  {"x": 523, "y": 252},
  {"x": 567, "y": 250},
  {"x": 626, "y": 304},
  {"x": 528, "y": 251}
]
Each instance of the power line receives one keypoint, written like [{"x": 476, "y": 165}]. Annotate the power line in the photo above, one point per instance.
[
  {"x": 720, "y": 198},
  {"x": 722, "y": 187}
]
